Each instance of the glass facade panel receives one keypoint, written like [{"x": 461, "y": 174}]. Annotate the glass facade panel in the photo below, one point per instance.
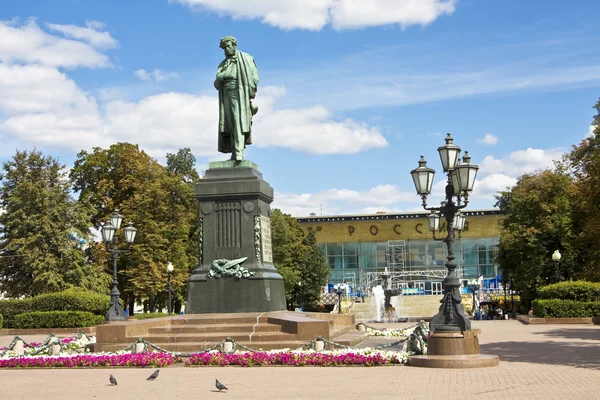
[
  {"x": 350, "y": 262},
  {"x": 334, "y": 249},
  {"x": 350, "y": 249},
  {"x": 367, "y": 256},
  {"x": 474, "y": 256},
  {"x": 381, "y": 255},
  {"x": 335, "y": 262}
]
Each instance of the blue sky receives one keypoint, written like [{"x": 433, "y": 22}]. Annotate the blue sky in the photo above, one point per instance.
[{"x": 351, "y": 92}]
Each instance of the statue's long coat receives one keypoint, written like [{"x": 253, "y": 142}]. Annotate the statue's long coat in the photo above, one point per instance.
[{"x": 247, "y": 79}]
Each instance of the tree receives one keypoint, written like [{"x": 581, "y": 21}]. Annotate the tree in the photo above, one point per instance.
[
  {"x": 298, "y": 259},
  {"x": 162, "y": 207},
  {"x": 585, "y": 165},
  {"x": 182, "y": 165},
  {"x": 537, "y": 221},
  {"x": 43, "y": 230}
]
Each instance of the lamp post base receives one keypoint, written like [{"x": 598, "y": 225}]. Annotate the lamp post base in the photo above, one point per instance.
[
  {"x": 115, "y": 312},
  {"x": 451, "y": 316}
]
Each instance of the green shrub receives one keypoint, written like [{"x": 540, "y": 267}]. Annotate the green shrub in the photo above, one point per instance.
[
  {"x": 150, "y": 315},
  {"x": 577, "y": 290},
  {"x": 57, "y": 319},
  {"x": 72, "y": 300},
  {"x": 9, "y": 309},
  {"x": 558, "y": 308},
  {"x": 1, "y": 321}
]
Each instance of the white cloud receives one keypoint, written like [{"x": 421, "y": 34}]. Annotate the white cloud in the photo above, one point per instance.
[
  {"x": 89, "y": 34},
  {"x": 307, "y": 129},
  {"x": 38, "y": 88},
  {"x": 157, "y": 75},
  {"x": 336, "y": 201},
  {"x": 341, "y": 14},
  {"x": 489, "y": 186},
  {"x": 591, "y": 131},
  {"x": 520, "y": 162},
  {"x": 488, "y": 139},
  {"x": 28, "y": 43},
  {"x": 347, "y": 14}
]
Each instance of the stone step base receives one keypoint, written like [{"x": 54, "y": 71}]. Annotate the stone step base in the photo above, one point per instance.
[
  {"x": 198, "y": 347},
  {"x": 208, "y": 328},
  {"x": 217, "y": 337}
]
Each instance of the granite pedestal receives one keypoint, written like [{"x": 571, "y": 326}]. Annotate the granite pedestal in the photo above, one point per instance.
[{"x": 235, "y": 222}]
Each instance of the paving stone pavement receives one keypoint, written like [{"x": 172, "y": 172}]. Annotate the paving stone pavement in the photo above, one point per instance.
[{"x": 537, "y": 362}]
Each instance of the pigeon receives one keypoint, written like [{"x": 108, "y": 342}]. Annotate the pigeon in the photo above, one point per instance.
[
  {"x": 153, "y": 376},
  {"x": 220, "y": 386},
  {"x": 113, "y": 381}
]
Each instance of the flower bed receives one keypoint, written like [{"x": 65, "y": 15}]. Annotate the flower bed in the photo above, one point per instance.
[
  {"x": 73, "y": 353},
  {"x": 299, "y": 358},
  {"x": 91, "y": 360}
]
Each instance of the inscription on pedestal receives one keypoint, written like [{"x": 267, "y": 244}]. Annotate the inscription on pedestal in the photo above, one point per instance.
[{"x": 265, "y": 230}]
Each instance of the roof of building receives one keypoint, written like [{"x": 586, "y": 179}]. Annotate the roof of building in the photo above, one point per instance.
[{"x": 391, "y": 216}]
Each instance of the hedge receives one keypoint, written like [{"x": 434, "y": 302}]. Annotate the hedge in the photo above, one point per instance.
[
  {"x": 68, "y": 300},
  {"x": 150, "y": 315},
  {"x": 577, "y": 290},
  {"x": 72, "y": 300},
  {"x": 57, "y": 319},
  {"x": 1, "y": 321},
  {"x": 9, "y": 309},
  {"x": 558, "y": 308}
]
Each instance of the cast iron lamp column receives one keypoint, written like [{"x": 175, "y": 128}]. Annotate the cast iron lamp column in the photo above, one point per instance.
[
  {"x": 556, "y": 256},
  {"x": 116, "y": 312},
  {"x": 169, "y": 271},
  {"x": 460, "y": 181},
  {"x": 339, "y": 288},
  {"x": 473, "y": 286}
]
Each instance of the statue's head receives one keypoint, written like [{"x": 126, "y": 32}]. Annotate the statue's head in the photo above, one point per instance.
[{"x": 228, "y": 44}]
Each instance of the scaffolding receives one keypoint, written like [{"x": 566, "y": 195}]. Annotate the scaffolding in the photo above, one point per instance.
[{"x": 399, "y": 274}]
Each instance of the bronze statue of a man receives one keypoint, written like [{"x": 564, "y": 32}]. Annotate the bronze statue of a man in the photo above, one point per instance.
[{"x": 237, "y": 81}]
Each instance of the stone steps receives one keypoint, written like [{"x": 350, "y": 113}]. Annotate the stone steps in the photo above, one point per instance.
[
  {"x": 217, "y": 337},
  {"x": 208, "y": 328},
  {"x": 197, "y": 347},
  {"x": 195, "y": 332}
]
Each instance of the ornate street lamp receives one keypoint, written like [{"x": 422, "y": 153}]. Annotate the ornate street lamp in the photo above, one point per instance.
[
  {"x": 556, "y": 256},
  {"x": 473, "y": 286},
  {"x": 339, "y": 289},
  {"x": 169, "y": 271},
  {"x": 115, "y": 312},
  {"x": 460, "y": 180}
]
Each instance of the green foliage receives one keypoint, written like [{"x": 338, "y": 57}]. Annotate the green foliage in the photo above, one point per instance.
[
  {"x": 72, "y": 300},
  {"x": 559, "y": 308},
  {"x": 151, "y": 315},
  {"x": 1, "y": 321},
  {"x": 584, "y": 162},
  {"x": 68, "y": 300},
  {"x": 57, "y": 319},
  {"x": 9, "y": 309},
  {"x": 40, "y": 229},
  {"x": 537, "y": 221},
  {"x": 577, "y": 290},
  {"x": 158, "y": 200},
  {"x": 298, "y": 259}
]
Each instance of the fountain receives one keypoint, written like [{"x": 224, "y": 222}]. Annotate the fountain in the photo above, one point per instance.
[{"x": 385, "y": 304}]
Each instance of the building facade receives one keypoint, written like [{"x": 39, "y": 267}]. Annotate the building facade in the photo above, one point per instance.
[{"x": 360, "y": 248}]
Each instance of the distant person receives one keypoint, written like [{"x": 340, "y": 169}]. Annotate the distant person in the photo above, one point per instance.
[{"x": 362, "y": 294}]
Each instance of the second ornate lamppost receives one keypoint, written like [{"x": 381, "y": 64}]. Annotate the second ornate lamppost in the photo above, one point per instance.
[
  {"x": 339, "y": 289},
  {"x": 460, "y": 181},
  {"x": 170, "y": 269},
  {"x": 473, "y": 286},
  {"x": 116, "y": 312}
]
